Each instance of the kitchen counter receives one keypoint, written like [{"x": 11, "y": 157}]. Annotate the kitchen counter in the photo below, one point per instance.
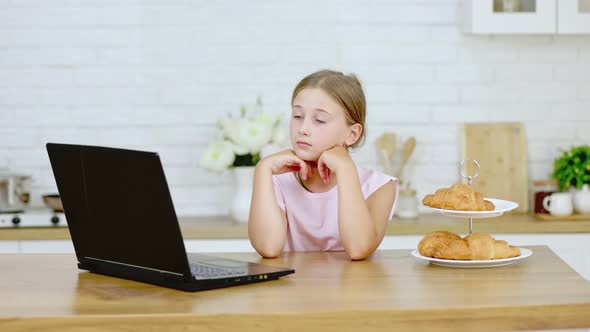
[
  {"x": 391, "y": 290},
  {"x": 224, "y": 228}
]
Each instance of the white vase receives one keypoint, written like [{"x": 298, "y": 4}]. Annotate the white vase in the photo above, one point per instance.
[{"x": 242, "y": 191}]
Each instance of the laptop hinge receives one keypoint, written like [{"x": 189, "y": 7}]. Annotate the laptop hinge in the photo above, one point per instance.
[{"x": 163, "y": 273}]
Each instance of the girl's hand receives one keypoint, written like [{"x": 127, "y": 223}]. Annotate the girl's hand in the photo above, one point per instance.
[
  {"x": 285, "y": 162},
  {"x": 331, "y": 161}
]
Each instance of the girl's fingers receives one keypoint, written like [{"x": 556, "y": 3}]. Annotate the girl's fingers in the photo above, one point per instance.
[
  {"x": 303, "y": 170},
  {"x": 290, "y": 165},
  {"x": 293, "y": 166},
  {"x": 297, "y": 165},
  {"x": 321, "y": 168}
]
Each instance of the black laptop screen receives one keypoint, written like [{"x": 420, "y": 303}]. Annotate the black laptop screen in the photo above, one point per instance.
[{"x": 118, "y": 206}]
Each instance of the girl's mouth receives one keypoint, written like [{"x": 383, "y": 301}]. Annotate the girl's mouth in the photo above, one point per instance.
[{"x": 303, "y": 144}]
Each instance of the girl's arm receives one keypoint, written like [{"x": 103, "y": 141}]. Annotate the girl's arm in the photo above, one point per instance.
[
  {"x": 267, "y": 223},
  {"x": 362, "y": 224}
]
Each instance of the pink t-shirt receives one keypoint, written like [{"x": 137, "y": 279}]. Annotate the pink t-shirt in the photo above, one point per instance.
[{"x": 312, "y": 218}]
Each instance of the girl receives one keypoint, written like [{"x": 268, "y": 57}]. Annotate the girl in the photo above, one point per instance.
[{"x": 313, "y": 197}]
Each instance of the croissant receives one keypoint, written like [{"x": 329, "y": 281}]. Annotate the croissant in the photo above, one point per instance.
[
  {"x": 458, "y": 197},
  {"x": 476, "y": 246}
]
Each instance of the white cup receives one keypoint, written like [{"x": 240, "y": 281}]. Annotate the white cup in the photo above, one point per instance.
[{"x": 559, "y": 204}]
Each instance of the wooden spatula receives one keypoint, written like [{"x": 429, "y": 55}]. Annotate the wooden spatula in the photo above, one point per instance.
[
  {"x": 407, "y": 150},
  {"x": 386, "y": 145}
]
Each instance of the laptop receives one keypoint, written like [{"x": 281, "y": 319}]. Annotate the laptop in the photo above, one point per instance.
[{"x": 123, "y": 224}]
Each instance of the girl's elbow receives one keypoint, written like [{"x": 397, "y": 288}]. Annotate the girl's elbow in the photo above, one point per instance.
[
  {"x": 269, "y": 252},
  {"x": 360, "y": 250},
  {"x": 359, "y": 254}
]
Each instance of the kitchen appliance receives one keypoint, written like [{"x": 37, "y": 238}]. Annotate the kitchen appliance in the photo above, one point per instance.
[
  {"x": 14, "y": 191},
  {"x": 32, "y": 217},
  {"x": 15, "y": 210}
]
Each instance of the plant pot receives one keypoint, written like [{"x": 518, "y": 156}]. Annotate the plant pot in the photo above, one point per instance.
[{"x": 242, "y": 195}]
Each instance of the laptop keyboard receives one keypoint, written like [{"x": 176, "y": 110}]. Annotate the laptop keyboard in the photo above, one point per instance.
[{"x": 208, "y": 271}]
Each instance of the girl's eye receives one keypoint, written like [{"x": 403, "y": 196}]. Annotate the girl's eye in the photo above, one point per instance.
[
  {"x": 320, "y": 121},
  {"x": 296, "y": 116}
]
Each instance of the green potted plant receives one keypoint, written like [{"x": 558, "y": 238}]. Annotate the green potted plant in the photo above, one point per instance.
[{"x": 572, "y": 168}]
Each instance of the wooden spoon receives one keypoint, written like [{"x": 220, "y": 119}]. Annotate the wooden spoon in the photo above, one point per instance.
[
  {"x": 386, "y": 146},
  {"x": 407, "y": 150}
]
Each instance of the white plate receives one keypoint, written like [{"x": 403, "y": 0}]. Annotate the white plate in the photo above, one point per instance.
[
  {"x": 501, "y": 207},
  {"x": 474, "y": 264}
]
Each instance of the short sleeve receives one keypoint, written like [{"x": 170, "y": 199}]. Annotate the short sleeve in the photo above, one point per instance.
[
  {"x": 280, "y": 197},
  {"x": 376, "y": 180},
  {"x": 396, "y": 184}
]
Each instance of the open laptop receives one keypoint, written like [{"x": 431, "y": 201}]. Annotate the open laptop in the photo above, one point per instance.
[{"x": 123, "y": 224}]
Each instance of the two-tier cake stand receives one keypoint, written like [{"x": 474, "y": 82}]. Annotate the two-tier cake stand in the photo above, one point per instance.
[{"x": 501, "y": 206}]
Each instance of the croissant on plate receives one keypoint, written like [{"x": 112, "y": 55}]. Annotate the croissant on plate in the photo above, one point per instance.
[
  {"x": 476, "y": 246},
  {"x": 458, "y": 197}
]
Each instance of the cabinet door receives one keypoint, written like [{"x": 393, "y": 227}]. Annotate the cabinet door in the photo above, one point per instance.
[
  {"x": 218, "y": 245},
  {"x": 8, "y": 247},
  {"x": 573, "y": 16},
  {"x": 509, "y": 16}
]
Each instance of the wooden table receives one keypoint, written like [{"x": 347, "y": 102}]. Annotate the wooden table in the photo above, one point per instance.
[
  {"x": 391, "y": 291},
  {"x": 224, "y": 228}
]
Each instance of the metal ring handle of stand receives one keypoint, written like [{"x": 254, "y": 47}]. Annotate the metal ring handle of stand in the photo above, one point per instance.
[
  {"x": 469, "y": 177},
  {"x": 469, "y": 182}
]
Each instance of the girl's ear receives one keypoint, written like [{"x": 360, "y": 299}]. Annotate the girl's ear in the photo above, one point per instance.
[{"x": 355, "y": 133}]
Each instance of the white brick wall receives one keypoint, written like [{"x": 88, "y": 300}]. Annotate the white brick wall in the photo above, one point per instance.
[{"x": 156, "y": 74}]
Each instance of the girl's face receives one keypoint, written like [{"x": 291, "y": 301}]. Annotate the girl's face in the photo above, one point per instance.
[{"x": 318, "y": 124}]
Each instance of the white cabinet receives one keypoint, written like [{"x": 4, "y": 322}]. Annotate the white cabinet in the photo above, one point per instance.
[
  {"x": 573, "y": 16},
  {"x": 46, "y": 247},
  {"x": 8, "y": 247},
  {"x": 526, "y": 16},
  {"x": 509, "y": 16},
  {"x": 219, "y": 245},
  {"x": 66, "y": 246}
]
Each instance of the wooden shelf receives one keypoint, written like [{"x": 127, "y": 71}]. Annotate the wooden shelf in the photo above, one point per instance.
[
  {"x": 194, "y": 228},
  {"x": 573, "y": 217}
]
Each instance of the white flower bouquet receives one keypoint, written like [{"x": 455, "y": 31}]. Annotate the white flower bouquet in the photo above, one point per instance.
[{"x": 245, "y": 140}]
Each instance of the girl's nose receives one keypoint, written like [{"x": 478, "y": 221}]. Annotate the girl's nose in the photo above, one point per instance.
[{"x": 304, "y": 128}]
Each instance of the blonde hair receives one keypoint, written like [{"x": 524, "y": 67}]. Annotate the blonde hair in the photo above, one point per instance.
[{"x": 346, "y": 90}]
